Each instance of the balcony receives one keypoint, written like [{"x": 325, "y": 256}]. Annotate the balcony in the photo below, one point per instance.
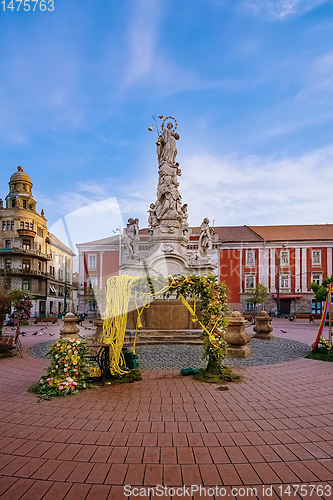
[
  {"x": 27, "y": 232},
  {"x": 21, "y": 251},
  {"x": 13, "y": 271}
]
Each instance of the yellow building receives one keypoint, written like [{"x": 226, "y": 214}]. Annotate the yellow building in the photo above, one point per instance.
[{"x": 32, "y": 259}]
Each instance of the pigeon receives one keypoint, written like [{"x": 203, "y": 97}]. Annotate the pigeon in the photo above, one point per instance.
[
  {"x": 35, "y": 333},
  {"x": 23, "y": 334},
  {"x": 51, "y": 334},
  {"x": 283, "y": 331}
]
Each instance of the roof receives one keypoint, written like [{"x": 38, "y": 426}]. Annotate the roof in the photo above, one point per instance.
[
  {"x": 59, "y": 244},
  {"x": 20, "y": 176},
  {"x": 233, "y": 234},
  {"x": 295, "y": 232}
]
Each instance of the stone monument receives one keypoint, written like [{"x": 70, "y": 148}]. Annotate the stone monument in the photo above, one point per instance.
[{"x": 167, "y": 220}]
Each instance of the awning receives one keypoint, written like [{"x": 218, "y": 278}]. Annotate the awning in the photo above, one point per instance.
[
  {"x": 52, "y": 289},
  {"x": 288, "y": 296}
]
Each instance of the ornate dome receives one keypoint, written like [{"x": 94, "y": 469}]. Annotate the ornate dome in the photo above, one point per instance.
[{"x": 20, "y": 176}]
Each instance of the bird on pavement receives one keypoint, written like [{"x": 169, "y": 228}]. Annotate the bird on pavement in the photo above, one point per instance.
[{"x": 283, "y": 331}]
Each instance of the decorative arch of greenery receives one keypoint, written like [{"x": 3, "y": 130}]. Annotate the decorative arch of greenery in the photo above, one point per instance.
[{"x": 210, "y": 298}]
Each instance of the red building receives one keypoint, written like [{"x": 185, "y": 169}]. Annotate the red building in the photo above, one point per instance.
[{"x": 286, "y": 259}]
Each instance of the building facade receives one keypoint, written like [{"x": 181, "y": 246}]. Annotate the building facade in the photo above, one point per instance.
[
  {"x": 286, "y": 259},
  {"x": 32, "y": 259}
]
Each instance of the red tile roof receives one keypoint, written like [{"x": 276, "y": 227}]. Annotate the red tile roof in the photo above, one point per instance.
[{"x": 295, "y": 232}]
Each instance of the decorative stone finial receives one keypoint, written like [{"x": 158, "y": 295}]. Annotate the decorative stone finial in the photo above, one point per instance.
[
  {"x": 69, "y": 330},
  {"x": 19, "y": 169},
  {"x": 262, "y": 327}
]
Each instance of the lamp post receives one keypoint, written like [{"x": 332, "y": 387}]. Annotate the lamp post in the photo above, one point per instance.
[
  {"x": 278, "y": 291},
  {"x": 65, "y": 297},
  {"x": 278, "y": 304}
]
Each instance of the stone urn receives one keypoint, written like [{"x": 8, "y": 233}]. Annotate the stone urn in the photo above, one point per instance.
[
  {"x": 69, "y": 330},
  {"x": 262, "y": 327},
  {"x": 237, "y": 337}
]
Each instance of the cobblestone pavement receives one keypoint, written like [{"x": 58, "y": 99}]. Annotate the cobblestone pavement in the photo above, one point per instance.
[{"x": 173, "y": 356}]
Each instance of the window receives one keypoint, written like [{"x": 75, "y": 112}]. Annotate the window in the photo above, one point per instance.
[
  {"x": 284, "y": 281},
  {"x": 4, "y": 225},
  {"x": 316, "y": 257},
  {"x": 316, "y": 307},
  {"x": 250, "y": 259},
  {"x": 40, "y": 232},
  {"x": 8, "y": 263},
  {"x": 13, "y": 202},
  {"x": 8, "y": 243},
  {"x": 317, "y": 277},
  {"x": 31, "y": 226},
  {"x": 249, "y": 306},
  {"x": 24, "y": 187},
  {"x": 61, "y": 291},
  {"x": 24, "y": 203},
  {"x": 39, "y": 266},
  {"x": 26, "y": 245},
  {"x": 92, "y": 281},
  {"x": 26, "y": 265},
  {"x": 60, "y": 274},
  {"x": 284, "y": 258},
  {"x": 26, "y": 285},
  {"x": 249, "y": 281},
  {"x": 92, "y": 261},
  {"x": 8, "y": 225},
  {"x": 27, "y": 225}
]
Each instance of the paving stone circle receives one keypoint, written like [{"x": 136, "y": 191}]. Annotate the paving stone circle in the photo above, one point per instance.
[{"x": 177, "y": 356}]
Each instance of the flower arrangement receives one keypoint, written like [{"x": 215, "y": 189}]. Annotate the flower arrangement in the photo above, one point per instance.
[
  {"x": 68, "y": 372},
  {"x": 323, "y": 346}
]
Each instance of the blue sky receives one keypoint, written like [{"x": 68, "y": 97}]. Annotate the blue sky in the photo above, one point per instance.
[{"x": 249, "y": 82}]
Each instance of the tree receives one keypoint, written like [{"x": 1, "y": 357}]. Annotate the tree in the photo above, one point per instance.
[
  {"x": 320, "y": 291},
  {"x": 4, "y": 305},
  {"x": 257, "y": 295}
]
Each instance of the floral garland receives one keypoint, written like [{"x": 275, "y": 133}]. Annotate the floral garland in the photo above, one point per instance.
[
  {"x": 68, "y": 372},
  {"x": 213, "y": 306}
]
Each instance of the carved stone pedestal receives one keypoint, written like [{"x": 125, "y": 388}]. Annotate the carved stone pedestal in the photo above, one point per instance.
[
  {"x": 262, "y": 327},
  {"x": 69, "y": 330},
  {"x": 237, "y": 337},
  {"x": 99, "y": 330}
]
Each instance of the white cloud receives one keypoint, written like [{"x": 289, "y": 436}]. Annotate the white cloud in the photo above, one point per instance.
[
  {"x": 318, "y": 78},
  {"x": 258, "y": 190},
  {"x": 281, "y": 9}
]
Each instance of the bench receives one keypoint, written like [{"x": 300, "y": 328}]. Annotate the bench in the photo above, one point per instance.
[
  {"x": 11, "y": 342},
  {"x": 53, "y": 321}
]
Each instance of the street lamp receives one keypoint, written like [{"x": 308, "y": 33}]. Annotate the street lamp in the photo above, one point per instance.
[{"x": 278, "y": 304}]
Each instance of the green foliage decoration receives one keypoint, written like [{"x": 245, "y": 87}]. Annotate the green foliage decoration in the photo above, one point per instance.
[
  {"x": 68, "y": 372},
  {"x": 213, "y": 306}
]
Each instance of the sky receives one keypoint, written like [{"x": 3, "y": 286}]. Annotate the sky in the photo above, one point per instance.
[{"x": 248, "y": 81}]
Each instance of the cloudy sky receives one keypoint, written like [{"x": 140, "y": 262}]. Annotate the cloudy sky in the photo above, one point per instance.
[{"x": 249, "y": 82}]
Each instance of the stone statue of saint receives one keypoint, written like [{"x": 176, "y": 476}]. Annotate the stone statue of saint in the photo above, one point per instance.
[
  {"x": 205, "y": 239},
  {"x": 152, "y": 218},
  {"x": 132, "y": 237},
  {"x": 167, "y": 150}
]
